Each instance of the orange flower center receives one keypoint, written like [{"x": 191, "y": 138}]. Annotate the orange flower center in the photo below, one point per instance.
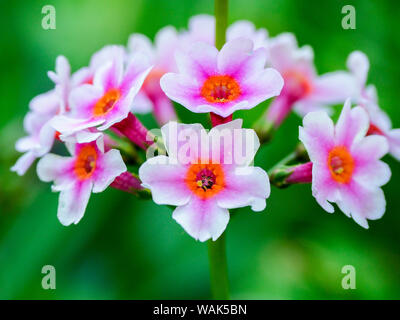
[
  {"x": 205, "y": 180},
  {"x": 341, "y": 164},
  {"x": 220, "y": 89},
  {"x": 106, "y": 102},
  {"x": 85, "y": 163},
  {"x": 297, "y": 84}
]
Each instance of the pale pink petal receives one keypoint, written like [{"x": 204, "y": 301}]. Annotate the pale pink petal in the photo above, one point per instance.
[
  {"x": 165, "y": 180},
  {"x": 245, "y": 186},
  {"x": 140, "y": 43},
  {"x": 358, "y": 64},
  {"x": 393, "y": 137},
  {"x": 135, "y": 74},
  {"x": 185, "y": 142},
  {"x": 166, "y": 41},
  {"x": 362, "y": 202},
  {"x": 246, "y": 29},
  {"x": 230, "y": 144},
  {"x": 141, "y": 103},
  {"x": 317, "y": 135},
  {"x": 333, "y": 88},
  {"x": 83, "y": 99},
  {"x": 198, "y": 62},
  {"x": 107, "y": 53},
  {"x": 184, "y": 90},
  {"x": 324, "y": 188},
  {"x": 164, "y": 110},
  {"x": 45, "y": 103},
  {"x": 233, "y": 57},
  {"x": 202, "y": 219},
  {"x": 109, "y": 75},
  {"x": 73, "y": 201},
  {"x": 352, "y": 125},
  {"x": 68, "y": 126},
  {"x": 260, "y": 87},
  {"x": 108, "y": 167},
  {"x": 56, "y": 168},
  {"x": 202, "y": 28},
  {"x": 23, "y": 163}
]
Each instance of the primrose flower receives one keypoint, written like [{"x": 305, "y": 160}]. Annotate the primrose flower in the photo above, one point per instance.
[
  {"x": 346, "y": 167},
  {"x": 304, "y": 90},
  {"x": 161, "y": 55},
  {"x": 204, "y": 177},
  {"x": 43, "y": 108},
  {"x": 104, "y": 103},
  {"x": 202, "y": 29},
  {"x": 223, "y": 81},
  {"x": 380, "y": 122},
  {"x": 88, "y": 170}
]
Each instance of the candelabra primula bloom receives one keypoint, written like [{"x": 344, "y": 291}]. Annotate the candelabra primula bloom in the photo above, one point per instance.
[
  {"x": 208, "y": 181},
  {"x": 161, "y": 55},
  {"x": 380, "y": 122},
  {"x": 304, "y": 90},
  {"x": 90, "y": 169},
  {"x": 221, "y": 81},
  {"x": 43, "y": 108},
  {"x": 107, "y": 101},
  {"x": 346, "y": 167},
  {"x": 202, "y": 29}
]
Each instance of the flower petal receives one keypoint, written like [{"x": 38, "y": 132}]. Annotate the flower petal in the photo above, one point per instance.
[
  {"x": 202, "y": 219},
  {"x": 358, "y": 64},
  {"x": 333, "y": 88},
  {"x": 317, "y": 135},
  {"x": 23, "y": 163},
  {"x": 108, "y": 167},
  {"x": 246, "y": 186},
  {"x": 352, "y": 125},
  {"x": 73, "y": 201},
  {"x": 165, "y": 180}
]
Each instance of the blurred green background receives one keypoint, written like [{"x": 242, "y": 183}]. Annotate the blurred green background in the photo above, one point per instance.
[{"x": 125, "y": 248}]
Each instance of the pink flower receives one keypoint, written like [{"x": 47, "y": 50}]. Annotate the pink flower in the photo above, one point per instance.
[
  {"x": 367, "y": 98},
  {"x": 346, "y": 167},
  {"x": 221, "y": 81},
  {"x": 202, "y": 29},
  {"x": 161, "y": 55},
  {"x": 106, "y": 102},
  {"x": 43, "y": 108},
  {"x": 204, "y": 178},
  {"x": 304, "y": 90},
  {"x": 88, "y": 170}
]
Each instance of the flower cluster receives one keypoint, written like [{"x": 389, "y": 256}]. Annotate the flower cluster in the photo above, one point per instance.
[{"x": 204, "y": 173}]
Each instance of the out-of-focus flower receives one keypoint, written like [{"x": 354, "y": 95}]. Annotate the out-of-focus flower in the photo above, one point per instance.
[
  {"x": 202, "y": 29},
  {"x": 204, "y": 178},
  {"x": 161, "y": 55},
  {"x": 43, "y": 108},
  {"x": 304, "y": 90},
  {"x": 380, "y": 122},
  {"x": 88, "y": 170},
  {"x": 107, "y": 101},
  {"x": 221, "y": 81},
  {"x": 346, "y": 167}
]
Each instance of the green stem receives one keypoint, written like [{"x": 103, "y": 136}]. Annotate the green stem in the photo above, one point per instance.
[
  {"x": 221, "y": 22},
  {"x": 218, "y": 268}
]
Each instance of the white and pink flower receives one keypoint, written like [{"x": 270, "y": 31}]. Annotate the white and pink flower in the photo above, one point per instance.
[
  {"x": 201, "y": 177},
  {"x": 304, "y": 90},
  {"x": 161, "y": 55},
  {"x": 367, "y": 98},
  {"x": 223, "y": 81},
  {"x": 346, "y": 168},
  {"x": 43, "y": 108},
  {"x": 88, "y": 170},
  {"x": 96, "y": 107}
]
